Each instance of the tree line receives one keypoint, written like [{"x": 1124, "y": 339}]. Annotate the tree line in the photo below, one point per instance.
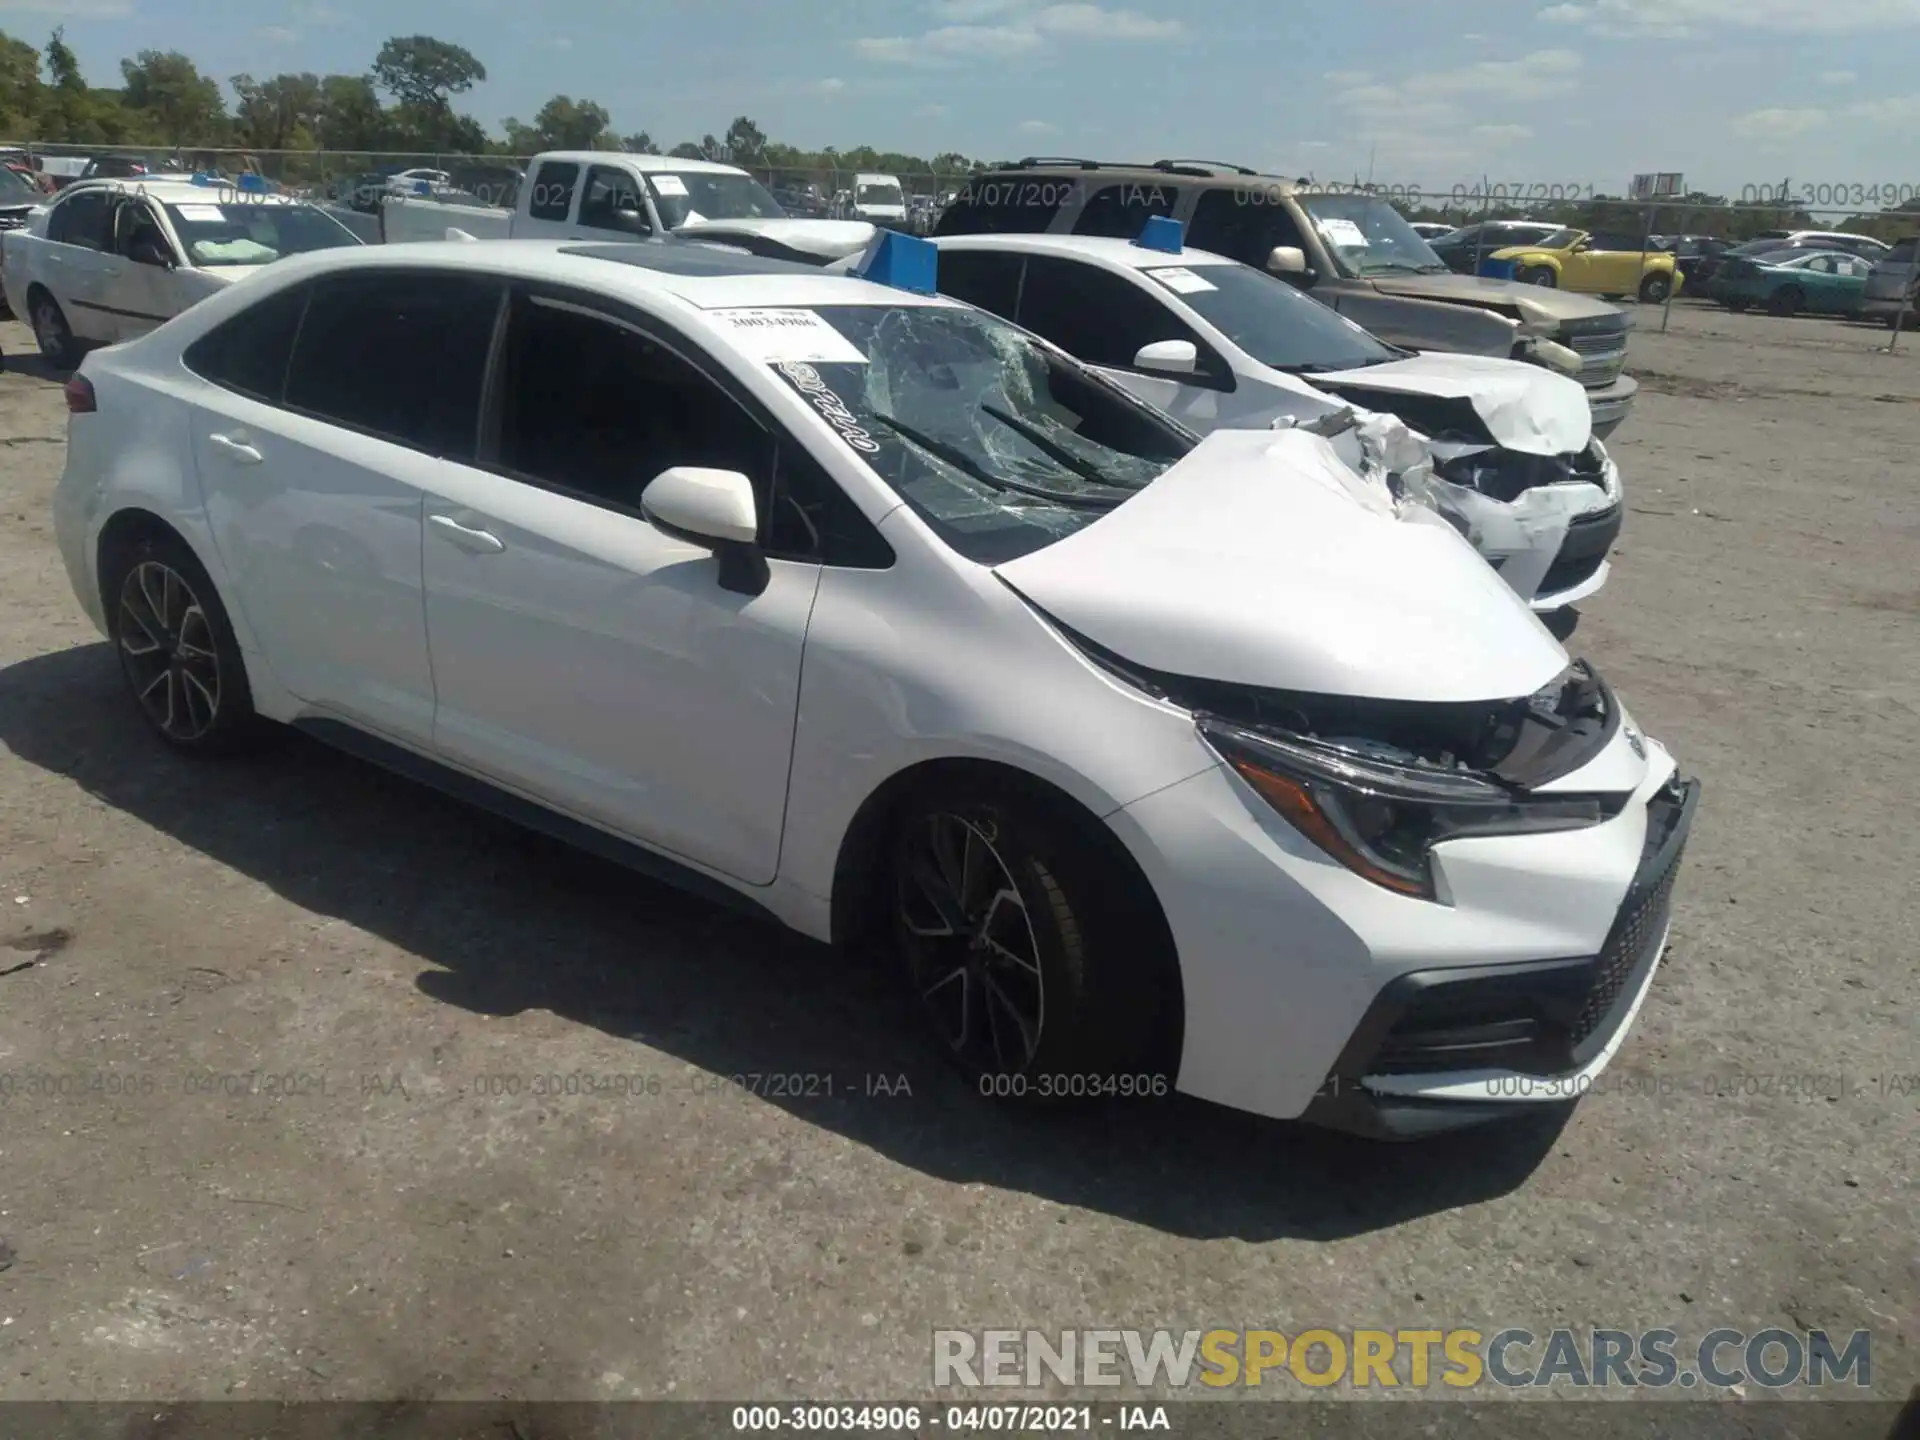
[{"x": 404, "y": 103}]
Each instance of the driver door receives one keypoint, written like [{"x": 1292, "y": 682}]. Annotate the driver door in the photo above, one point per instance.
[
  {"x": 583, "y": 655},
  {"x": 143, "y": 287}
]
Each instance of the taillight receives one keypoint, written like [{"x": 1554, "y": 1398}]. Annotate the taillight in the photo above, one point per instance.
[{"x": 80, "y": 399}]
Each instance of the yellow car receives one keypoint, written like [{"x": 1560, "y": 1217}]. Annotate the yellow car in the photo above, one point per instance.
[{"x": 1595, "y": 265}]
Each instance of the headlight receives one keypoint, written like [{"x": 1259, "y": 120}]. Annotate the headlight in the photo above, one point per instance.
[
  {"x": 1556, "y": 356},
  {"x": 1381, "y": 816}
]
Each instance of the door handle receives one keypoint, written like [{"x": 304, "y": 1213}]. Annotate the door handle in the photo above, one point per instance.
[
  {"x": 469, "y": 538},
  {"x": 237, "y": 451}
]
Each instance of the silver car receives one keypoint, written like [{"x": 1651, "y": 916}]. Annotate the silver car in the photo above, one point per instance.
[{"x": 1891, "y": 283}]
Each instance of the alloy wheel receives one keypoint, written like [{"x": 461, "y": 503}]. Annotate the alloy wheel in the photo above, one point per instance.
[
  {"x": 169, "y": 652},
  {"x": 973, "y": 955},
  {"x": 50, "y": 329}
]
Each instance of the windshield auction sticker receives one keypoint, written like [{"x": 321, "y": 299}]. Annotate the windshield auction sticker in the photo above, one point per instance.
[
  {"x": 1182, "y": 280},
  {"x": 1343, "y": 233},
  {"x": 779, "y": 337}
]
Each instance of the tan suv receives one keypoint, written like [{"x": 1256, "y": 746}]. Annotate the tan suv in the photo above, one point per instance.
[{"x": 1348, "y": 248}]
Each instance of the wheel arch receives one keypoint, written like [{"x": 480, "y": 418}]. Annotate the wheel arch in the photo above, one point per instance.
[
  {"x": 860, "y": 872},
  {"x": 126, "y": 527}
]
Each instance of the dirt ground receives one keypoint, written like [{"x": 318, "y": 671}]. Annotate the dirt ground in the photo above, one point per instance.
[{"x": 289, "y": 1000}]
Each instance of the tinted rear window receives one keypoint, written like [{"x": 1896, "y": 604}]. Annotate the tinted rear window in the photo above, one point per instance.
[
  {"x": 250, "y": 352},
  {"x": 1006, "y": 205}
]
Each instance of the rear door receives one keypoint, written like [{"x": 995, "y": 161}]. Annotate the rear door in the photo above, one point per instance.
[
  {"x": 314, "y": 455},
  {"x": 551, "y": 199},
  {"x": 580, "y": 653},
  {"x": 74, "y": 263}
]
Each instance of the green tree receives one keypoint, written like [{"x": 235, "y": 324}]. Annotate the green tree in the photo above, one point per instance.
[
  {"x": 687, "y": 150},
  {"x": 21, "y": 93},
  {"x": 282, "y": 113},
  {"x": 421, "y": 72},
  {"x": 640, "y": 143},
  {"x": 350, "y": 116},
  {"x": 563, "y": 124},
  {"x": 69, "y": 112},
  {"x": 185, "y": 105},
  {"x": 746, "y": 142}
]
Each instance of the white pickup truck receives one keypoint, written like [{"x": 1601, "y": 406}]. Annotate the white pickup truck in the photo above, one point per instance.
[{"x": 610, "y": 195}]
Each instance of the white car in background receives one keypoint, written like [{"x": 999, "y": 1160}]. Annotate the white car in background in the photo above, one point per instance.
[
  {"x": 878, "y": 200},
  {"x": 105, "y": 261},
  {"x": 1153, "y": 763},
  {"x": 1220, "y": 345}
]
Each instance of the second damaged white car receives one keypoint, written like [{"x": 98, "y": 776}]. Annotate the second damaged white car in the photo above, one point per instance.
[{"x": 1505, "y": 450}]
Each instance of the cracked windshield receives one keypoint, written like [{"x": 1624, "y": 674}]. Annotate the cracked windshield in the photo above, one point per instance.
[
  {"x": 1370, "y": 237},
  {"x": 1000, "y": 446}
]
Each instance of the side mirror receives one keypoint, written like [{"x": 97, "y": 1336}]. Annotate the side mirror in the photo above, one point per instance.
[
  {"x": 634, "y": 222},
  {"x": 1287, "y": 260},
  {"x": 1169, "y": 357},
  {"x": 714, "y": 508}
]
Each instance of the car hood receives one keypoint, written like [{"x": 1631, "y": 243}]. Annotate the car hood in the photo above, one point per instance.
[
  {"x": 811, "y": 241},
  {"x": 1260, "y": 559},
  {"x": 1509, "y": 297},
  {"x": 1524, "y": 407}
]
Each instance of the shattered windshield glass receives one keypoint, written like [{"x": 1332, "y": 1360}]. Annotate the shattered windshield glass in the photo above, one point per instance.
[{"x": 1001, "y": 446}]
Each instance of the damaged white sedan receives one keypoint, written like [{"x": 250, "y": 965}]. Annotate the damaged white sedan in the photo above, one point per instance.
[
  {"x": 1151, "y": 763},
  {"x": 1505, "y": 450}
]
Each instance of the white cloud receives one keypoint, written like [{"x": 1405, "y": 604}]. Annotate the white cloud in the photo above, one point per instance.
[
  {"x": 277, "y": 34},
  {"x": 1420, "y": 124},
  {"x": 1837, "y": 77},
  {"x": 1023, "y": 29},
  {"x": 562, "y": 42},
  {"x": 68, "y": 9},
  {"x": 1315, "y": 145},
  {"x": 1894, "y": 110},
  {"x": 1502, "y": 134},
  {"x": 1037, "y": 127},
  {"x": 832, "y": 85},
  {"x": 932, "y": 112},
  {"x": 1665, "y": 19},
  {"x": 1346, "y": 78},
  {"x": 1776, "y": 124}
]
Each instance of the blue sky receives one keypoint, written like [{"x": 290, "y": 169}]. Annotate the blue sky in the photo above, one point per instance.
[{"x": 1730, "y": 92}]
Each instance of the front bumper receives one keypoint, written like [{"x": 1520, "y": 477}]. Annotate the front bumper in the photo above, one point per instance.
[
  {"x": 1439, "y": 1050},
  {"x": 1284, "y": 953},
  {"x": 1611, "y": 404},
  {"x": 1580, "y": 570}
]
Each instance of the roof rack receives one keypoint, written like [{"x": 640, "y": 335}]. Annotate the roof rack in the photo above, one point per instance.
[
  {"x": 1032, "y": 160},
  {"x": 1210, "y": 165}
]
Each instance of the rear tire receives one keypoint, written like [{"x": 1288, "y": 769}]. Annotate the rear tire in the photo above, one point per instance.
[
  {"x": 1787, "y": 300},
  {"x": 1539, "y": 275},
  {"x": 1030, "y": 955},
  {"x": 50, "y": 330},
  {"x": 1655, "y": 288},
  {"x": 176, "y": 646}
]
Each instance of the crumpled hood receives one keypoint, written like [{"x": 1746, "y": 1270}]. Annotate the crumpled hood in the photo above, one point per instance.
[
  {"x": 1524, "y": 407},
  {"x": 1509, "y": 297},
  {"x": 1261, "y": 559},
  {"x": 817, "y": 241}
]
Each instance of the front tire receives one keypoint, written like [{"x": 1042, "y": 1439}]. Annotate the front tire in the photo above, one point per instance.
[
  {"x": 51, "y": 331},
  {"x": 1539, "y": 275},
  {"x": 1655, "y": 289},
  {"x": 176, "y": 646},
  {"x": 1027, "y": 951}
]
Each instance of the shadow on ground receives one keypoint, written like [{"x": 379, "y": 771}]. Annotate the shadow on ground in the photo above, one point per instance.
[{"x": 513, "y": 922}]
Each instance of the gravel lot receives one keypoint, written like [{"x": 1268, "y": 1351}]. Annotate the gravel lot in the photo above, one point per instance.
[{"x": 379, "y": 1224}]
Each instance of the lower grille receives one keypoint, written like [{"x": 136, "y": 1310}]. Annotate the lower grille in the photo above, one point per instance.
[
  {"x": 1630, "y": 944},
  {"x": 1564, "y": 574}
]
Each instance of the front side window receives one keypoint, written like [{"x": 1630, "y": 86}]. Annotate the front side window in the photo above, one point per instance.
[
  {"x": 250, "y": 352},
  {"x": 999, "y": 444},
  {"x": 552, "y": 197},
  {"x": 81, "y": 220},
  {"x": 399, "y": 355},
  {"x": 609, "y": 192},
  {"x": 1272, "y": 321},
  {"x": 237, "y": 233},
  {"x": 1243, "y": 225},
  {"x": 696, "y": 195},
  {"x": 1101, "y": 318},
  {"x": 1367, "y": 236},
  {"x": 1005, "y": 205}
]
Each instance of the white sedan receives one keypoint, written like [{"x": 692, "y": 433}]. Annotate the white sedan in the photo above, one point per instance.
[
  {"x": 1218, "y": 344},
  {"x": 1155, "y": 763},
  {"x": 109, "y": 260}
]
